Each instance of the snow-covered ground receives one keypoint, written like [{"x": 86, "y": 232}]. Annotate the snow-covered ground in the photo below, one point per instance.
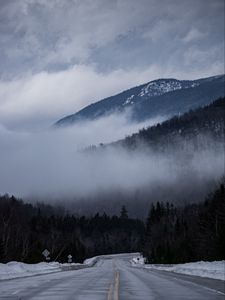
[
  {"x": 140, "y": 260},
  {"x": 16, "y": 269},
  {"x": 214, "y": 269},
  {"x": 91, "y": 261}
]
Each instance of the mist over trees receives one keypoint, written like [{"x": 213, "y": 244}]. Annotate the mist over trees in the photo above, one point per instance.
[
  {"x": 187, "y": 149},
  {"x": 174, "y": 161},
  {"x": 170, "y": 234},
  {"x": 190, "y": 131}
]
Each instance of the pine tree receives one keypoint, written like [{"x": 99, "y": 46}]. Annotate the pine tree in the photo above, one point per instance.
[{"x": 123, "y": 213}]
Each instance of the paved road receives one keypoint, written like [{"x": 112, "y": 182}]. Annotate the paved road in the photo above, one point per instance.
[{"x": 112, "y": 278}]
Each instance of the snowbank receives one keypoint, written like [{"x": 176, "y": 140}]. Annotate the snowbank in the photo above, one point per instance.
[
  {"x": 16, "y": 269},
  {"x": 91, "y": 261},
  {"x": 140, "y": 260},
  {"x": 214, "y": 269}
]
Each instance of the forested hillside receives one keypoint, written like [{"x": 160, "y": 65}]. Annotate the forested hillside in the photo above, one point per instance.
[{"x": 195, "y": 128}]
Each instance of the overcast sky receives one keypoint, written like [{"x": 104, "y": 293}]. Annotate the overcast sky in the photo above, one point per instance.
[{"x": 59, "y": 55}]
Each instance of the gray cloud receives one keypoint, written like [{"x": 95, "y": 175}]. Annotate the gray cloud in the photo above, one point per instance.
[
  {"x": 39, "y": 100},
  {"x": 40, "y": 34},
  {"x": 58, "y": 56}
]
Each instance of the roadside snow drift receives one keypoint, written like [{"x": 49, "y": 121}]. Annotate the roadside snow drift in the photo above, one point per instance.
[
  {"x": 214, "y": 269},
  {"x": 16, "y": 269}
]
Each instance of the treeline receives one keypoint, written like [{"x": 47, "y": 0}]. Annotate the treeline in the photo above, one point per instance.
[
  {"x": 195, "y": 130},
  {"x": 26, "y": 230},
  {"x": 194, "y": 232},
  {"x": 169, "y": 235},
  {"x": 192, "y": 128}
]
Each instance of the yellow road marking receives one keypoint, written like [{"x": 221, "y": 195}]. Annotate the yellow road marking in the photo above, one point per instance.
[
  {"x": 117, "y": 284},
  {"x": 110, "y": 292},
  {"x": 113, "y": 293}
]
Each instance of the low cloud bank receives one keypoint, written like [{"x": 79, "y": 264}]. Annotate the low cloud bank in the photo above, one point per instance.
[{"x": 51, "y": 165}]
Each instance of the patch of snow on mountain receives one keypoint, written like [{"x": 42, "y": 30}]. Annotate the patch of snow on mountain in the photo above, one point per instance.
[
  {"x": 128, "y": 100},
  {"x": 157, "y": 88},
  {"x": 194, "y": 84}
]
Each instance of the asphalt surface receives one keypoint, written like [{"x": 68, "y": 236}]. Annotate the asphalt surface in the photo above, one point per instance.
[{"x": 112, "y": 278}]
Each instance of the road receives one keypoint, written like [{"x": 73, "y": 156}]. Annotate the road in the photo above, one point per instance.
[{"x": 112, "y": 278}]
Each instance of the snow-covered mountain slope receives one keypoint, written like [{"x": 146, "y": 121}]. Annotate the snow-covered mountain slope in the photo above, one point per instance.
[
  {"x": 164, "y": 97},
  {"x": 160, "y": 87}
]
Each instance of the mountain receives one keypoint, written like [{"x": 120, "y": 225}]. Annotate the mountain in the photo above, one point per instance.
[
  {"x": 162, "y": 97},
  {"x": 183, "y": 158}
]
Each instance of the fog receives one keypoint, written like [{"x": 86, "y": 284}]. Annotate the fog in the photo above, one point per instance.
[{"x": 52, "y": 166}]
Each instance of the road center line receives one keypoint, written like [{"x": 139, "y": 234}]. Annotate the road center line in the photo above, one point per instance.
[
  {"x": 110, "y": 292},
  {"x": 113, "y": 293},
  {"x": 117, "y": 284}
]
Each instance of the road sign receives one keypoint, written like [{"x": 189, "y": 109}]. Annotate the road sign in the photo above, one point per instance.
[
  {"x": 46, "y": 253},
  {"x": 70, "y": 258}
]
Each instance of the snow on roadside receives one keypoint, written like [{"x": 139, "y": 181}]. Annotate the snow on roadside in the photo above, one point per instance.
[
  {"x": 214, "y": 269},
  {"x": 91, "y": 261},
  {"x": 138, "y": 260},
  {"x": 16, "y": 269}
]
